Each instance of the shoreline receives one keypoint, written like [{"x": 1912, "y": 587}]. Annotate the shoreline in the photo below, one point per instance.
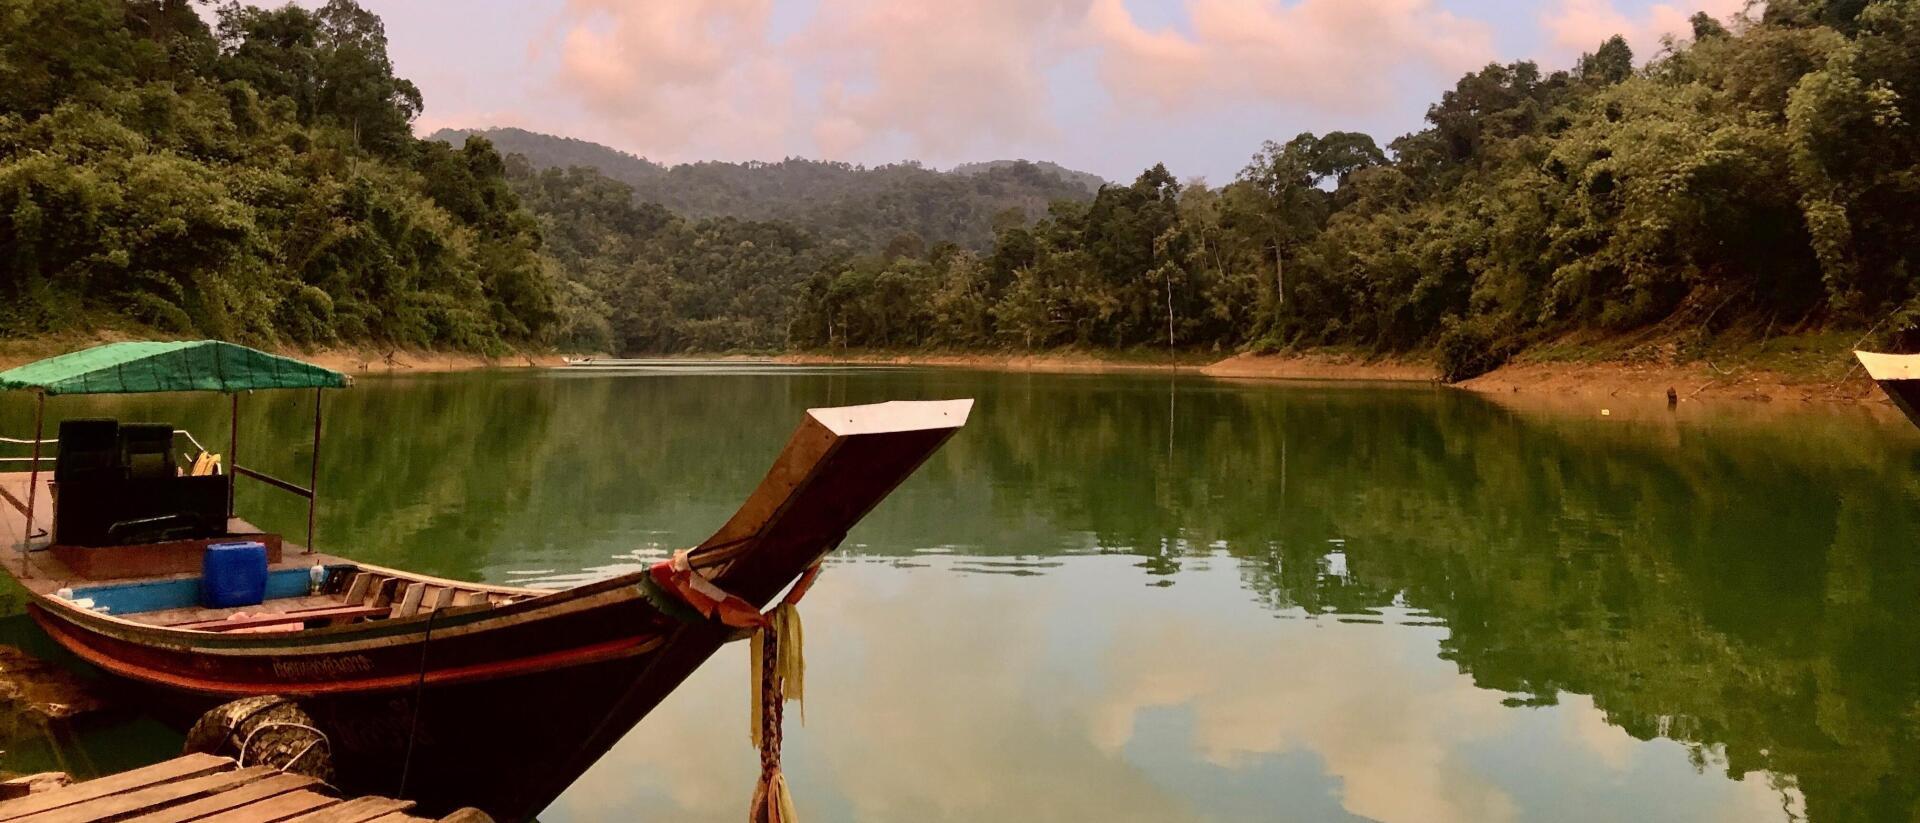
[
  {"x": 1559, "y": 380},
  {"x": 361, "y": 361},
  {"x": 1059, "y": 362}
]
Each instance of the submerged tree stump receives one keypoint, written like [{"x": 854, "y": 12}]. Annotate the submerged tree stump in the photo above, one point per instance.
[
  {"x": 269, "y": 730},
  {"x": 37, "y": 692}
]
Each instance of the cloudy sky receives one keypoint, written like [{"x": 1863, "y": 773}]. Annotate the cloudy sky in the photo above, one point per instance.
[{"x": 1109, "y": 86}]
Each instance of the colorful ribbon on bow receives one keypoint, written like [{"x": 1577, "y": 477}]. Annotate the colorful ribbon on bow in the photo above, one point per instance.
[{"x": 778, "y": 667}]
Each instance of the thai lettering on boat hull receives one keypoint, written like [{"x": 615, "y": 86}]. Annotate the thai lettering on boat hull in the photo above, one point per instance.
[{"x": 325, "y": 667}]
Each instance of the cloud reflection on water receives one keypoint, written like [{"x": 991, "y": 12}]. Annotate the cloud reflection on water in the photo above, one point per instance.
[{"x": 1081, "y": 695}]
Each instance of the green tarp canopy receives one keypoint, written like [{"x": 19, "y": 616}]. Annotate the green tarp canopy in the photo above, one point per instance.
[{"x": 194, "y": 365}]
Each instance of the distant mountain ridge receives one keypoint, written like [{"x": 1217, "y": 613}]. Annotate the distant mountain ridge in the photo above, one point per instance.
[
  {"x": 1091, "y": 181},
  {"x": 868, "y": 207},
  {"x": 545, "y": 150}
]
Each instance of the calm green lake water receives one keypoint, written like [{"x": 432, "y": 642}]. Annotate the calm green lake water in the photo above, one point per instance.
[{"x": 1169, "y": 599}]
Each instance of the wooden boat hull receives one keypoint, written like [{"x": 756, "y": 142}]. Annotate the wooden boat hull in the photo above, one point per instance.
[
  {"x": 1906, "y": 395},
  {"x": 503, "y": 706},
  {"x": 507, "y": 744}
]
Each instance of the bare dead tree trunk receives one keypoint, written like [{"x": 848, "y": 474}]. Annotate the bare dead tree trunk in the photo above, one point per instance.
[
  {"x": 1279, "y": 277},
  {"x": 1169, "y": 311}
]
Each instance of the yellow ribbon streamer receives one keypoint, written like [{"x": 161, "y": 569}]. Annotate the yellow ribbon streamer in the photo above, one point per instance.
[
  {"x": 779, "y": 675},
  {"x": 790, "y": 666}
]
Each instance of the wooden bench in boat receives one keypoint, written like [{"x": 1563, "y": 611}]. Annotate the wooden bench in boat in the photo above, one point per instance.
[
  {"x": 367, "y": 596},
  {"x": 405, "y": 598},
  {"x": 172, "y": 600}
]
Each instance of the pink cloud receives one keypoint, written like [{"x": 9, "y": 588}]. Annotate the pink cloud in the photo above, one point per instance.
[
  {"x": 968, "y": 78},
  {"x": 707, "y": 78},
  {"x": 1579, "y": 26},
  {"x": 1332, "y": 55},
  {"x": 950, "y": 77},
  {"x": 694, "y": 78}
]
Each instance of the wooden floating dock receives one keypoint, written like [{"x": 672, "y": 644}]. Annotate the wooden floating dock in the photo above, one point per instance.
[{"x": 206, "y": 788}]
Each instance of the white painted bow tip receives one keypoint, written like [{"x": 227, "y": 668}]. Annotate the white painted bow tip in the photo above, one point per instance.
[
  {"x": 1890, "y": 366},
  {"x": 895, "y": 416}
]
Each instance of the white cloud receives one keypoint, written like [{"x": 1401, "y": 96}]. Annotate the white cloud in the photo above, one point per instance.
[
  {"x": 1392, "y": 741},
  {"x": 937, "y": 696},
  {"x": 915, "y": 721}
]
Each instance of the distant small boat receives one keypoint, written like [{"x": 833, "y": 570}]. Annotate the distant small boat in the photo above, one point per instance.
[
  {"x": 493, "y": 696},
  {"x": 656, "y": 363},
  {"x": 1899, "y": 376}
]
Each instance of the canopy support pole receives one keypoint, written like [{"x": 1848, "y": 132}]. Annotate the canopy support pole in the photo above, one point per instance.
[
  {"x": 233, "y": 454},
  {"x": 33, "y": 485},
  {"x": 313, "y": 480}
]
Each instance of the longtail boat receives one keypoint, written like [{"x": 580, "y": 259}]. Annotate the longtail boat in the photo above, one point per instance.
[
  {"x": 1899, "y": 376},
  {"x": 440, "y": 691}
]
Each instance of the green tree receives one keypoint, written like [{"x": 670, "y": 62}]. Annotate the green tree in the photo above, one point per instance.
[
  {"x": 1611, "y": 63},
  {"x": 251, "y": 184}
]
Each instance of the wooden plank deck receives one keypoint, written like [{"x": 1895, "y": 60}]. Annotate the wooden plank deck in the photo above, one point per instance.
[{"x": 204, "y": 788}]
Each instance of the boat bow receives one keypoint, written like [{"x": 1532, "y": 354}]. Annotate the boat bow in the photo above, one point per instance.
[
  {"x": 839, "y": 464},
  {"x": 406, "y": 687},
  {"x": 1899, "y": 376}
]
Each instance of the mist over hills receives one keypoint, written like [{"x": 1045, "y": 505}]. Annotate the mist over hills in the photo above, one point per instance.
[{"x": 868, "y": 207}]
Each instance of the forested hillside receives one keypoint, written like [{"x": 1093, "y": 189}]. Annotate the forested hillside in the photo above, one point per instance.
[
  {"x": 256, "y": 180},
  {"x": 640, "y": 278},
  {"x": 1761, "y": 177},
  {"x": 869, "y": 208}
]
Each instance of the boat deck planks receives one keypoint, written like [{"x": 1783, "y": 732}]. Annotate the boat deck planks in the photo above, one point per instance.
[
  {"x": 189, "y": 616},
  {"x": 203, "y": 788}
]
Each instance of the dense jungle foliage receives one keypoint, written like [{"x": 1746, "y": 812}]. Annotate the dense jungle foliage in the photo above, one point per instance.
[
  {"x": 1763, "y": 174},
  {"x": 640, "y": 278},
  {"x": 864, "y": 207},
  {"x": 256, "y": 179}
]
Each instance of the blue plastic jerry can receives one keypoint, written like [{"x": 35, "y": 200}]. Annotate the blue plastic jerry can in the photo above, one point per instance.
[{"x": 234, "y": 574}]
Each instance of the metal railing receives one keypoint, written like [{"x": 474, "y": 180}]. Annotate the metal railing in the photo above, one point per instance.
[
  {"x": 29, "y": 443},
  {"x": 54, "y": 441},
  {"x": 227, "y": 466}
]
